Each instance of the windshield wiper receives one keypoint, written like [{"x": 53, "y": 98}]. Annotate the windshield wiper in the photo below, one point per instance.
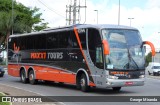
[{"x": 131, "y": 59}]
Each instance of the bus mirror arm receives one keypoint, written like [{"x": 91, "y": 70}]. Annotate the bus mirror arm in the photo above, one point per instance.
[
  {"x": 106, "y": 47},
  {"x": 151, "y": 45}
]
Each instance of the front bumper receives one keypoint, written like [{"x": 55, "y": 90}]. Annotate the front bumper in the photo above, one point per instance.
[
  {"x": 124, "y": 82},
  {"x": 157, "y": 72}
]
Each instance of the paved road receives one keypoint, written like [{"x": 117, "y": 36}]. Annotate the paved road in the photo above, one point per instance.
[{"x": 151, "y": 88}]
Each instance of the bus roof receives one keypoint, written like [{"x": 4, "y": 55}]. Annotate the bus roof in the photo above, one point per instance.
[{"x": 97, "y": 26}]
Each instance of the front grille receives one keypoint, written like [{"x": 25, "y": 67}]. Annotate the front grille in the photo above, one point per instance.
[{"x": 127, "y": 74}]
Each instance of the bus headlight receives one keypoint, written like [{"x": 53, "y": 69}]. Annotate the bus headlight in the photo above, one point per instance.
[
  {"x": 113, "y": 77},
  {"x": 142, "y": 76}
]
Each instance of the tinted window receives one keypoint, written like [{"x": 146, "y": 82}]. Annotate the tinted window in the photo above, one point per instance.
[
  {"x": 156, "y": 67},
  {"x": 95, "y": 47},
  {"x": 52, "y": 40},
  {"x": 64, "y": 38},
  {"x": 73, "y": 40},
  {"x": 39, "y": 41},
  {"x": 82, "y": 36},
  {"x": 29, "y": 41}
]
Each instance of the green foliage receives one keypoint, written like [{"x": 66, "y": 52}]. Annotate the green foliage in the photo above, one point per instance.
[
  {"x": 22, "y": 19},
  {"x": 3, "y": 103},
  {"x": 41, "y": 27},
  {"x": 148, "y": 58}
]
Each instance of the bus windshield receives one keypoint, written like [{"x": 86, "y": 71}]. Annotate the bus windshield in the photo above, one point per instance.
[{"x": 126, "y": 52}]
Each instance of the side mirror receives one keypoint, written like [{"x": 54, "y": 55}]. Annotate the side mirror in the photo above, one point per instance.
[
  {"x": 106, "y": 47},
  {"x": 152, "y": 47}
]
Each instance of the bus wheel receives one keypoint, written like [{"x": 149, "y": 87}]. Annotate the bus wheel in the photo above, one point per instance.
[
  {"x": 116, "y": 89},
  {"x": 78, "y": 83},
  {"x": 32, "y": 79},
  {"x": 23, "y": 76},
  {"x": 83, "y": 83}
]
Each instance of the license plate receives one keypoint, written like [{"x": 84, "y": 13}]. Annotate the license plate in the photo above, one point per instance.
[{"x": 129, "y": 83}]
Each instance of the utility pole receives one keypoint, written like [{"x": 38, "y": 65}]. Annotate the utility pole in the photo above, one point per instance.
[
  {"x": 68, "y": 14},
  {"x": 119, "y": 12},
  {"x": 130, "y": 20},
  {"x": 97, "y": 15},
  {"x": 73, "y": 12}
]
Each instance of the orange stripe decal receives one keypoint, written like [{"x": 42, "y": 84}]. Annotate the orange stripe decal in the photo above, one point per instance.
[
  {"x": 44, "y": 73},
  {"x": 79, "y": 43},
  {"x": 91, "y": 84}
]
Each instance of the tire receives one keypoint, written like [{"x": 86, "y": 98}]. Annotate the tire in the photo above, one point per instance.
[
  {"x": 61, "y": 83},
  {"x": 32, "y": 79},
  {"x": 23, "y": 77},
  {"x": 78, "y": 83},
  {"x": 83, "y": 83},
  {"x": 1, "y": 75},
  {"x": 149, "y": 73},
  {"x": 48, "y": 82},
  {"x": 154, "y": 74},
  {"x": 116, "y": 89}
]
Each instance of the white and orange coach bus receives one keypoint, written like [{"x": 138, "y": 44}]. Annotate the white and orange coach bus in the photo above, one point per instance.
[{"x": 102, "y": 56}]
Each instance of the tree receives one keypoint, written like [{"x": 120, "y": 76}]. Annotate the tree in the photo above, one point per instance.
[
  {"x": 40, "y": 27},
  {"x": 148, "y": 58},
  {"x": 5, "y": 27},
  {"x": 21, "y": 20}
]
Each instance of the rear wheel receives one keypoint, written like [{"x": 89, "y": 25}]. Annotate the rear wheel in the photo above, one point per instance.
[
  {"x": 23, "y": 77},
  {"x": 116, "y": 88},
  {"x": 32, "y": 79},
  {"x": 83, "y": 83}
]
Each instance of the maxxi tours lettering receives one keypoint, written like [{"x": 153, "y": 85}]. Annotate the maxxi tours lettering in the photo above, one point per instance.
[
  {"x": 44, "y": 55},
  {"x": 57, "y": 55},
  {"x": 38, "y": 55}
]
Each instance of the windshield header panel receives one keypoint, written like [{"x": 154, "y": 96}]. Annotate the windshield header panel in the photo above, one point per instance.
[{"x": 128, "y": 36}]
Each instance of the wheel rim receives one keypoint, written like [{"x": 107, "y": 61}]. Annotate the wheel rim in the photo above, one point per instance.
[
  {"x": 31, "y": 77},
  {"x": 82, "y": 82},
  {"x": 23, "y": 77}
]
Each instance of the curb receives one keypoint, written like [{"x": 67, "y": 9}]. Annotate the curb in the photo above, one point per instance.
[
  {"x": 154, "y": 77},
  {"x": 10, "y": 103},
  {"x": 15, "y": 91},
  {"x": 20, "y": 89},
  {"x": 2, "y": 93}
]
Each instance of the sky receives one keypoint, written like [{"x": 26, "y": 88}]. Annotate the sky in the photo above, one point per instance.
[{"x": 146, "y": 14}]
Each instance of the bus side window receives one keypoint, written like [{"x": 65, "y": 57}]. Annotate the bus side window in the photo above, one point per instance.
[
  {"x": 39, "y": 41},
  {"x": 95, "y": 47},
  {"x": 74, "y": 42},
  {"x": 52, "y": 41},
  {"x": 63, "y": 39},
  {"x": 82, "y": 37},
  {"x": 99, "y": 57}
]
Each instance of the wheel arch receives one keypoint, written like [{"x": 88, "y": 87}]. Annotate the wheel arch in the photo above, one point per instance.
[{"x": 80, "y": 72}]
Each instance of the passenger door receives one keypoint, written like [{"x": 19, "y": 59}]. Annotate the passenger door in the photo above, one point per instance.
[{"x": 96, "y": 56}]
